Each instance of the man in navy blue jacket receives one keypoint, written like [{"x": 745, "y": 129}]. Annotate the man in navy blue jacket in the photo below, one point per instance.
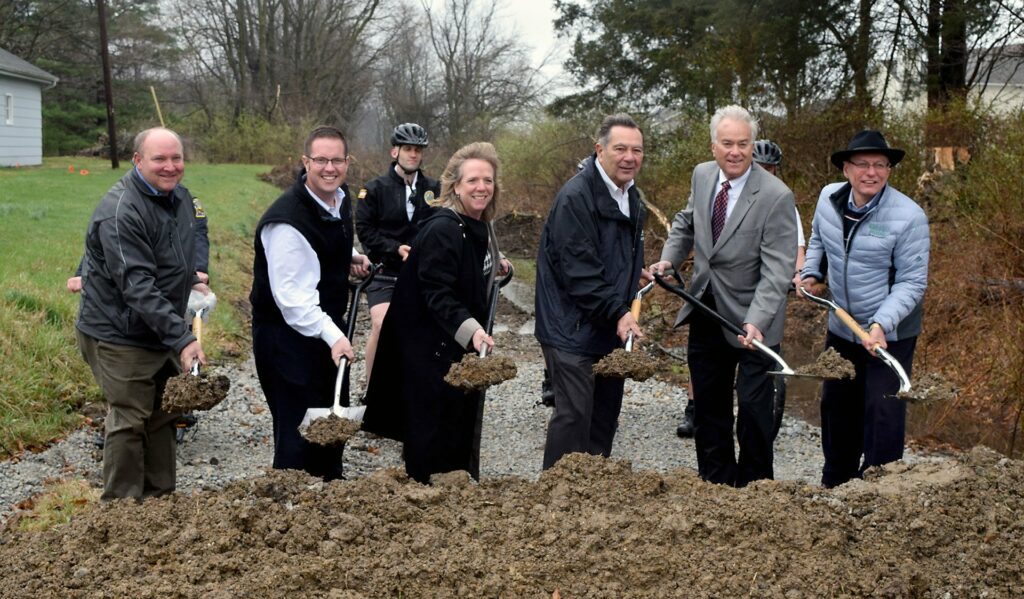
[{"x": 589, "y": 262}]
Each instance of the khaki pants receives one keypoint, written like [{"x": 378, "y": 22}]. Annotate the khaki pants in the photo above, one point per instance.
[{"x": 139, "y": 451}]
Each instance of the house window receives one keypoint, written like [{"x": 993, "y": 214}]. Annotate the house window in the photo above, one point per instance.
[{"x": 9, "y": 109}]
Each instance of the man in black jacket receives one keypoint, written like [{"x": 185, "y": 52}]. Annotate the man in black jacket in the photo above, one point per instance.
[
  {"x": 299, "y": 296},
  {"x": 388, "y": 215},
  {"x": 138, "y": 269},
  {"x": 589, "y": 263}
]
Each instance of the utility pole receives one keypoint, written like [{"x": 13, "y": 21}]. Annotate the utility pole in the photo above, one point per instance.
[{"x": 107, "y": 87}]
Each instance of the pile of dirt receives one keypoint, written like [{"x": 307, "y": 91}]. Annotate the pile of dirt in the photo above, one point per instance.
[
  {"x": 187, "y": 392},
  {"x": 929, "y": 388},
  {"x": 331, "y": 431},
  {"x": 623, "y": 364},
  {"x": 474, "y": 373},
  {"x": 282, "y": 176},
  {"x": 519, "y": 234},
  {"x": 589, "y": 527},
  {"x": 829, "y": 365}
]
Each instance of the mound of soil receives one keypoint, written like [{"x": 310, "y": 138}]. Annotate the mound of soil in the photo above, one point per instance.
[
  {"x": 829, "y": 365},
  {"x": 282, "y": 176},
  {"x": 589, "y": 527},
  {"x": 622, "y": 364},
  {"x": 929, "y": 388},
  {"x": 474, "y": 373},
  {"x": 187, "y": 392},
  {"x": 331, "y": 430},
  {"x": 519, "y": 234}
]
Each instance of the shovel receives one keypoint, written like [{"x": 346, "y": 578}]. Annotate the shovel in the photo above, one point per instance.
[
  {"x": 492, "y": 309},
  {"x": 784, "y": 368},
  {"x": 355, "y": 412},
  {"x": 863, "y": 335},
  {"x": 634, "y": 309}
]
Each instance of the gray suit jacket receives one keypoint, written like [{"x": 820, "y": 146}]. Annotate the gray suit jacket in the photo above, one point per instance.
[{"x": 751, "y": 266}]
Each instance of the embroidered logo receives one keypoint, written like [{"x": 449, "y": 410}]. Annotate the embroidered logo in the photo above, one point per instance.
[
  {"x": 429, "y": 198},
  {"x": 362, "y": 194},
  {"x": 200, "y": 213}
]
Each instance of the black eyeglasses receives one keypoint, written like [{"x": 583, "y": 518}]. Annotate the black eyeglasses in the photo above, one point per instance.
[{"x": 321, "y": 162}]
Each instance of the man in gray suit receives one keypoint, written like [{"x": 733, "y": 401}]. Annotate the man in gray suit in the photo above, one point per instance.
[{"x": 739, "y": 222}]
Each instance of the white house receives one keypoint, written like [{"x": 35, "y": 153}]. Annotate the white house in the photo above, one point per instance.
[{"x": 21, "y": 118}]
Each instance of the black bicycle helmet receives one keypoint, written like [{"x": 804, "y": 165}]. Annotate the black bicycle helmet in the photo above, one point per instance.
[
  {"x": 767, "y": 151},
  {"x": 409, "y": 134}
]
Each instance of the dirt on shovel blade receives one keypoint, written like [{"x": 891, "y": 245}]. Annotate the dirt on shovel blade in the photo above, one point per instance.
[
  {"x": 187, "y": 392},
  {"x": 928, "y": 388},
  {"x": 829, "y": 365},
  {"x": 474, "y": 373},
  {"x": 622, "y": 364},
  {"x": 331, "y": 431}
]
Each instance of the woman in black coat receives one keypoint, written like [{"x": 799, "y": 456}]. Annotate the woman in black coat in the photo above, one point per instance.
[{"x": 437, "y": 315}]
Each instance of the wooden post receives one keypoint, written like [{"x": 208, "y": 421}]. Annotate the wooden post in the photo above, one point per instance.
[{"x": 107, "y": 86}]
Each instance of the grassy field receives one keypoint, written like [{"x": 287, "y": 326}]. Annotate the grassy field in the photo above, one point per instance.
[{"x": 43, "y": 215}]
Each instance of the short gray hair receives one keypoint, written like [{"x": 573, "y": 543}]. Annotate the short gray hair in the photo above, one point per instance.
[
  {"x": 615, "y": 120},
  {"x": 736, "y": 113},
  {"x": 144, "y": 134}
]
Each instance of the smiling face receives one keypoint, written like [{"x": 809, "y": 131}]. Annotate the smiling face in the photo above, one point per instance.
[
  {"x": 160, "y": 160},
  {"x": 325, "y": 180},
  {"x": 733, "y": 147},
  {"x": 623, "y": 155},
  {"x": 476, "y": 186},
  {"x": 868, "y": 174}
]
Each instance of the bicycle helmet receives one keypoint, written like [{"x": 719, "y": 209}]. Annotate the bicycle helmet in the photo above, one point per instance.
[
  {"x": 767, "y": 152},
  {"x": 409, "y": 134}
]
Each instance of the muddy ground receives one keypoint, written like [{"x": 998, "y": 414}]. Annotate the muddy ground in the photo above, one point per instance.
[{"x": 588, "y": 528}]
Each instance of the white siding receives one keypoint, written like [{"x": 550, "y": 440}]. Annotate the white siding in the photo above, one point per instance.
[{"x": 22, "y": 141}]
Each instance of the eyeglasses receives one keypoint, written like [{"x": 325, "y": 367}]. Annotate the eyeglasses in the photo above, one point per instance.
[
  {"x": 864, "y": 166},
  {"x": 321, "y": 162}
]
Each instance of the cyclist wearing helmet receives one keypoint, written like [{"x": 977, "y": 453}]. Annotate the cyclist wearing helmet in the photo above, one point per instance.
[
  {"x": 388, "y": 212},
  {"x": 768, "y": 155}
]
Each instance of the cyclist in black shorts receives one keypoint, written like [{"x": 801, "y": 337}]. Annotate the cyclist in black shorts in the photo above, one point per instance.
[{"x": 388, "y": 212}]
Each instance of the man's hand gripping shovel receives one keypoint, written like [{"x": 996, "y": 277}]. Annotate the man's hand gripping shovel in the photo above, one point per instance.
[
  {"x": 634, "y": 309},
  {"x": 199, "y": 306},
  {"x": 680, "y": 290},
  {"x": 354, "y": 412},
  {"x": 863, "y": 335}
]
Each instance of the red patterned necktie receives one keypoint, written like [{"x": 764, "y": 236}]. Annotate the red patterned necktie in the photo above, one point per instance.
[{"x": 718, "y": 214}]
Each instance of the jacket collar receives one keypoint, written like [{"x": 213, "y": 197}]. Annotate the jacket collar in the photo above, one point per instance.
[
  {"x": 394, "y": 175},
  {"x": 606, "y": 206}
]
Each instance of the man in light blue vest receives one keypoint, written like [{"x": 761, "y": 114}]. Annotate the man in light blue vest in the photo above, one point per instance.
[{"x": 874, "y": 241}]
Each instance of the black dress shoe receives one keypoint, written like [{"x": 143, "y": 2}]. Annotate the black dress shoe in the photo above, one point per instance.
[{"x": 685, "y": 428}]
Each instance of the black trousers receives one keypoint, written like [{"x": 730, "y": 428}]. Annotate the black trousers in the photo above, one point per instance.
[
  {"x": 859, "y": 418},
  {"x": 586, "y": 413},
  {"x": 297, "y": 373},
  {"x": 716, "y": 367}
]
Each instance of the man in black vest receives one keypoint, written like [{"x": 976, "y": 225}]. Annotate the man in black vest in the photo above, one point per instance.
[
  {"x": 299, "y": 297},
  {"x": 388, "y": 213}
]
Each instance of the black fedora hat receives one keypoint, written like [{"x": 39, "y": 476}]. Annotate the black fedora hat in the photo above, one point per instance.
[{"x": 868, "y": 141}]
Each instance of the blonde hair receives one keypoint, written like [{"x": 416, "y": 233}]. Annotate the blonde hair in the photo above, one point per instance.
[{"x": 452, "y": 175}]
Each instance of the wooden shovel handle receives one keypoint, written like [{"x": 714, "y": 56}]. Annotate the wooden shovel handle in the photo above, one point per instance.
[
  {"x": 852, "y": 324},
  {"x": 634, "y": 309},
  {"x": 197, "y": 328}
]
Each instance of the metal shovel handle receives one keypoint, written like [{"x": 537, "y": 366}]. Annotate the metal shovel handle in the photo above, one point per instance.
[
  {"x": 783, "y": 369},
  {"x": 864, "y": 336},
  {"x": 492, "y": 308},
  {"x": 338, "y": 380},
  {"x": 197, "y": 330}
]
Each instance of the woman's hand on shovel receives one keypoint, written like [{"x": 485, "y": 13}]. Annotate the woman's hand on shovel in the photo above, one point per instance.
[
  {"x": 481, "y": 337},
  {"x": 192, "y": 352}
]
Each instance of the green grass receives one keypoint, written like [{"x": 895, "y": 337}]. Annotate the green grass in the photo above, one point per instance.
[
  {"x": 526, "y": 270},
  {"x": 43, "y": 216}
]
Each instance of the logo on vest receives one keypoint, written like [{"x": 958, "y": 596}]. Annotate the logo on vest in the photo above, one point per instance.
[{"x": 429, "y": 198}]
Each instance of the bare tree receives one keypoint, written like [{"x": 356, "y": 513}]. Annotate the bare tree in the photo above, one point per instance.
[
  {"x": 303, "y": 59},
  {"x": 485, "y": 78}
]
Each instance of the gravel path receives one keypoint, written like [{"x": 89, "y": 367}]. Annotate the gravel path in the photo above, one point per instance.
[{"x": 233, "y": 440}]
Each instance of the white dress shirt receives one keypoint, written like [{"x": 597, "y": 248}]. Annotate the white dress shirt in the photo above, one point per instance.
[
  {"x": 410, "y": 188},
  {"x": 735, "y": 189},
  {"x": 294, "y": 273},
  {"x": 621, "y": 196}
]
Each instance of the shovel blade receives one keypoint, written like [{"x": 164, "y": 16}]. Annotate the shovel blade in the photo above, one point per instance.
[{"x": 353, "y": 413}]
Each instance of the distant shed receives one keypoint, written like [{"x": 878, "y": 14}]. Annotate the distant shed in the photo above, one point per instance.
[{"x": 21, "y": 110}]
